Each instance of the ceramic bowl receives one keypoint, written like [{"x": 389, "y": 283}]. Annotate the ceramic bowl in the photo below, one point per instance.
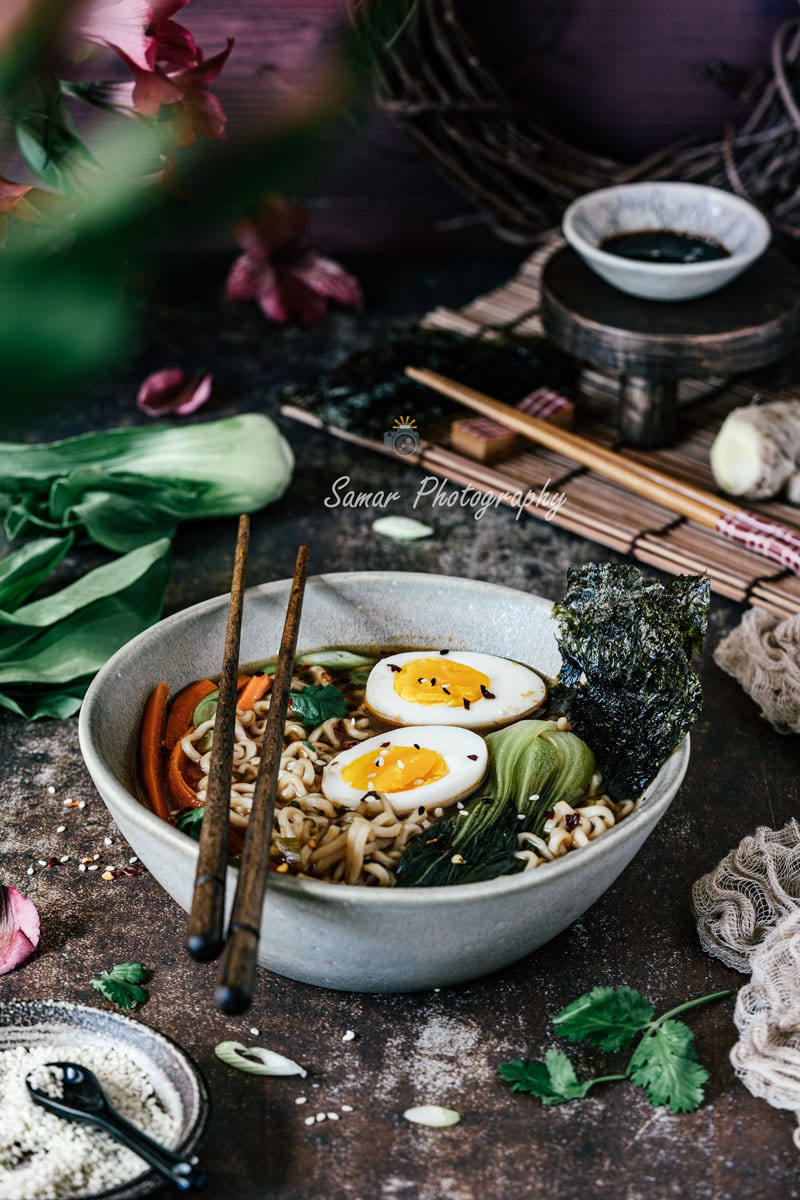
[
  {"x": 334, "y": 935},
  {"x": 683, "y": 207},
  {"x": 175, "y": 1078}
]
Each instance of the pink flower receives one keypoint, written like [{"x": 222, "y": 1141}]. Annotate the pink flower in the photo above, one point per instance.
[
  {"x": 190, "y": 107},
  {"x": 173, "y": 391},
  {"x": 36, "y": 205},
  {"x": 289, "y": 281},
  {"x": 120, "y": 25},
  {"x": 20, "y": 929},
  {"x": 174, "y": 45}
]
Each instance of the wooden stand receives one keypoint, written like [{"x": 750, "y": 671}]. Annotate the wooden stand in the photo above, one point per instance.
[{"x": 652, "y": 344}]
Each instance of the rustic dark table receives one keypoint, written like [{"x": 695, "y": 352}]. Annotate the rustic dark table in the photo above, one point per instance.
[{"x": 442, "y": 1046}]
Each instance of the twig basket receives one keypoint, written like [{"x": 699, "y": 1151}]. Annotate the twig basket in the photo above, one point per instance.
[{"x": 430, "y": 77}]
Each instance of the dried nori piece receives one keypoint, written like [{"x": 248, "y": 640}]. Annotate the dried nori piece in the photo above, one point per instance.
[
  {"x": 366, "y": 392},
  {"x": 626, "y": 681}
]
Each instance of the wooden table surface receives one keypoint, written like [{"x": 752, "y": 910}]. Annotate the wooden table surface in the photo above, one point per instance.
[{"x": 440, "y": 1047}]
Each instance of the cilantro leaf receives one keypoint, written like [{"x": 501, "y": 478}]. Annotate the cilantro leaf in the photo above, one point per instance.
[
  {"x": 121, "y": 985},
  {"x": 665, "y": 1065},
  {"x": 606, "y": 1017},
  {"x": 553, "y": 1082},
  {"x": 190, "y": 820},
  {"x": 317, "y": 704}
]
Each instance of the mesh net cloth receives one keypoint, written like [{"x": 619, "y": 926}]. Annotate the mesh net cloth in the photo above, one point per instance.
[
  {"x": 767, "y": 1056},
  {"x": 747, "y": 894},
  {"x": 763, "y": 653}
]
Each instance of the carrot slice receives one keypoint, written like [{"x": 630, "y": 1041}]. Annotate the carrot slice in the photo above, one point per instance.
[
  {"x": 241, "y": 681},
  {"x": 257, "y": 687},
  {"x": 182, "y": 707},
  {"x": 152, "y": 741},
  {"x": 180, "y": 789}
]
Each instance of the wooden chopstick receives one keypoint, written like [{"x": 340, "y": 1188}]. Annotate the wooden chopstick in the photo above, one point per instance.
[
  {"x": 238, "y": 965},
  {"x": 204, "y": 938},
  {"x": 767, "y": 538}
]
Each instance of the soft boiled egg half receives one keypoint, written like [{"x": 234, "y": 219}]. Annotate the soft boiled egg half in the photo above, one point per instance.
[
  {"x": 453, "y": 687},
  {"x": 418, "y": 766}
]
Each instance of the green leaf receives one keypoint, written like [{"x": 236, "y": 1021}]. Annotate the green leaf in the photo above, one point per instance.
[
  {"x": 553, "y": 1082},
  {"x": 24, "y": 570},
  {"x": 125, "y": 487},
  {"x": 121, "y": 985},
  {"x": 606, "y": 1017},
  {"x": 665, "y": 1065},
  {"x": 335, "y": 660},
  {"x": 69, "y": 635},
  {"x": 190, "y": 821},
  {"x": 315, "y": 704}
]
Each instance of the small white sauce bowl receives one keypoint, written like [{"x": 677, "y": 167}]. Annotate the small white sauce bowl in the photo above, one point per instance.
[{"x": 682, "y": 207}]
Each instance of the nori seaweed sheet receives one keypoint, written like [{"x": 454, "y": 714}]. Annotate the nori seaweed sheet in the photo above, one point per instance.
[
  {"x": 366, "y": 392},
  {"x": 626, "y": 681}
]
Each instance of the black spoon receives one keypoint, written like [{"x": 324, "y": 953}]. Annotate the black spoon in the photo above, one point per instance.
[{"x": 84, "y": 1100}]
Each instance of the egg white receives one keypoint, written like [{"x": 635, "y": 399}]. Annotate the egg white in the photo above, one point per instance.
[
  {"x": 516, "y": 692},
  {"x": 465, "y": 755}
]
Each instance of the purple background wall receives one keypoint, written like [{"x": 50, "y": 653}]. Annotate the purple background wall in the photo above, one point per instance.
[{"x": 619, "y": 76}]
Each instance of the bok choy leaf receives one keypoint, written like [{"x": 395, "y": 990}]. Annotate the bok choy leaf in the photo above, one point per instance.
[
  {"x": 125, "y": 487},
  {"x": 532, "y": 765}
]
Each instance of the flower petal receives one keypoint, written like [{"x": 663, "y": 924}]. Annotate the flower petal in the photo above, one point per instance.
[
  {"x": 20, "y": 929},
  {"x": 12, "y": 193},
  {"x": 120, "y": 25},
  {"x": 327, "y": 278},
  {"x": 173, "y": 391},
  {"x": 206, "y": 71},
  {"x": 175, "y": 46},
  {"x": 274, "y": 224},
  {"x": 290, "y": 300},
  {"x": 247, "y": 278}
]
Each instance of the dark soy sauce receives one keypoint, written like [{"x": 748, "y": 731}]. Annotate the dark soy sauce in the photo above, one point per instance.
[{"x": 664, "y": 246}]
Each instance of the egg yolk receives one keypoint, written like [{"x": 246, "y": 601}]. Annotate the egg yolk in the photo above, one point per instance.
[
  {"x": 441, "y": 681},
  {"x": 397, "y": 769}
]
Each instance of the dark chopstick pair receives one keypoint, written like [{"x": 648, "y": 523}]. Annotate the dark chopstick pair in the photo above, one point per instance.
[{"x": 205, "y": 938}]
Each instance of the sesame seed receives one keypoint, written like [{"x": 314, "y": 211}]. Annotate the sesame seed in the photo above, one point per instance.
[
  {"x": 348, "y": 1035},
  {"x": 320, "y": 1117},
  {"x": 133, "y": 859},
  {"x": 107, "y": 841},
  {"x": 401, "y": 765},
  {"x": 81, "y": 867},
  {"x": 95, "y": 857},
  {"x": 93, "y": 867},
  {"x": 347, "y": 1108},
  {"x": 309, "y": 1121},
  {"x": 29, "y": 871},
  {"x": 255, "y": 1032},
  {"x": 333, "y": 1116},
  {"x": 64, "y": 858},
  {"x": 458, "y": 860},
  {"x": 42, "y": 862},
  {"x": 300, "y": 1099},
  {"x": 51, "y": 791},
  {"x": 60, "y": 828},
  {"x": 520, "y": 816},
  {"x": 81, "y": 804}
]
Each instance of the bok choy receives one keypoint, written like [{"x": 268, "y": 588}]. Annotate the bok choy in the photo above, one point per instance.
[
  {"x": 126, "y": 487},
  {"x": 532, "y": 765},
  {"x": 126, "y": 490}
]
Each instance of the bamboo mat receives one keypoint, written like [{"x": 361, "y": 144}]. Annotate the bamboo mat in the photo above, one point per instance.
[{"x": 594, "y": 507}]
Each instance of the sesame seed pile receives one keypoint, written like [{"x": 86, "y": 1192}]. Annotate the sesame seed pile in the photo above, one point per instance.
[{"x": 44, "y": 1157}]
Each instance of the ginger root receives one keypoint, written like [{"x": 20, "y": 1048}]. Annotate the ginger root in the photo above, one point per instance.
[{"x": 756, "y": 453}]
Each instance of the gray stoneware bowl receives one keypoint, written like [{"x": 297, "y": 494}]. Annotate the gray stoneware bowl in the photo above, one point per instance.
[
  {"x": 175, "y": 1078},
  {"x": 334, "y": 935}
]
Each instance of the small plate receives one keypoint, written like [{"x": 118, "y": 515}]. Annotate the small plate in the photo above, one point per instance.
[{"x": 176, "y": 1079}]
